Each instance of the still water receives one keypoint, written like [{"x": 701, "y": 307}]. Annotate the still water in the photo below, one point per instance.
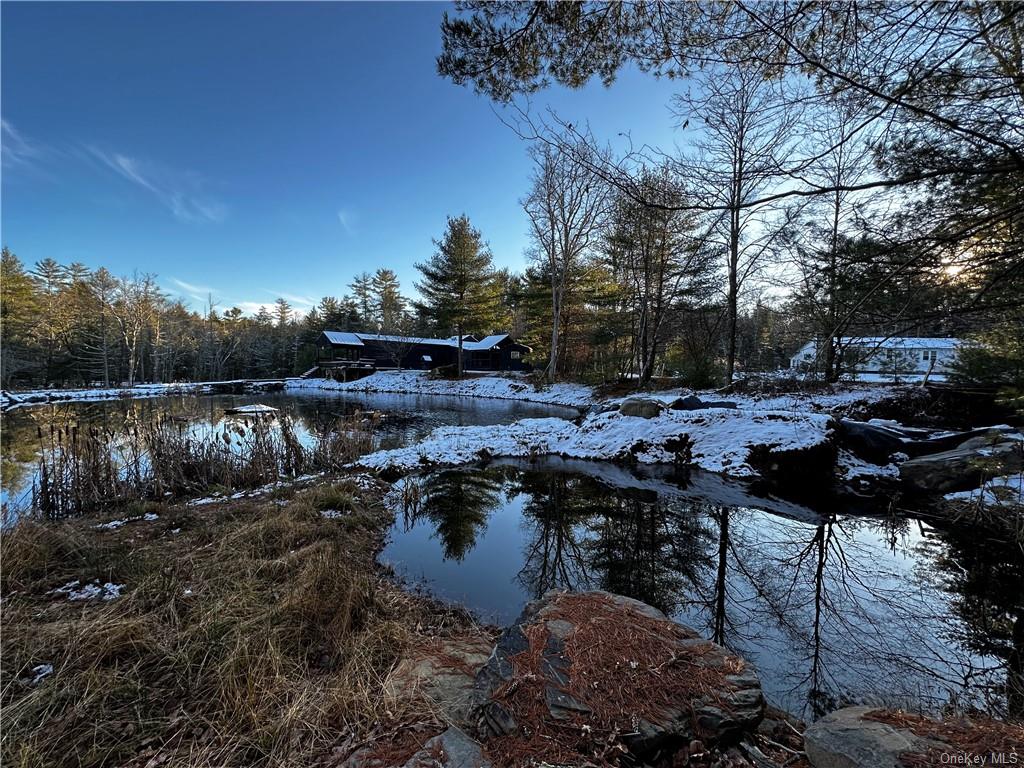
[
  {"x": 407, "y": 418},
  {"x": 831, "y": 608}
]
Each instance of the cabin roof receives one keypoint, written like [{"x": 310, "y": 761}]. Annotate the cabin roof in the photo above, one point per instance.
[
  {"x": 342, "y": 337},
  {"x": 469, "y": 343}
]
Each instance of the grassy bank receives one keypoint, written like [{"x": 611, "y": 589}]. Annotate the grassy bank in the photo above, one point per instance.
[{"x": 254, "y": 632}]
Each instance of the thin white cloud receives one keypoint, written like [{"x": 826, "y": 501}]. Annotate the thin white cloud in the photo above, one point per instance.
[
  {"x": 293, "y": 299},
  {"x": 192, "y": 288},
  {"x": 253, "y": 308},
  {"x": 347, "y": 220},
  {"x": 181, "y": 192},
  {"x": 200, "y": 294},
  {"x": 17, "y": 150}
]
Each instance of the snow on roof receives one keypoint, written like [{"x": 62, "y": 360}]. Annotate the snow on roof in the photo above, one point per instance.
[
  {"x": 469, "y": 342},
  {"x": 341, "y": 337},
  {"x": 904, "y": 342},
  {"x": 487, "y": 342}
]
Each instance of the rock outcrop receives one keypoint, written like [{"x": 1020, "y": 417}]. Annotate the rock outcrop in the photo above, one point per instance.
[
  {"x": 843, "y": 739},
  {"x": 868, "y": 737},
  {"x": 617, "y": 670},
  {"x": 694, "y": 403},
  {"x": 642, "y": 407},
  {"x": 965, "y": 466}
]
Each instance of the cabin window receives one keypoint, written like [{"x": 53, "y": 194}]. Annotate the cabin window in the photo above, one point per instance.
[
  {"x": 929, "y": 355},
  {"x": 514, "y": 354}
]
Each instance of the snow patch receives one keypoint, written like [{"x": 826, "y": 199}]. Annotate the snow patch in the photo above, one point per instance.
[
  {"x": 115, "y": 524},
  {"x": 40, "y": 672},
  {"x": 1005, "y": 491},
  {"x": 75, "y": 590},
  {"x": 853, "y": 469},
  {"x": 497, "y": 387}
]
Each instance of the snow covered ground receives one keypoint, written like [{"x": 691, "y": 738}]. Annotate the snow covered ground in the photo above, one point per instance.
[
  {"x": 1006, "y": 491},
  {"x": 35, "y": 396},
  {"x": 818, "y": 402},
  {"x": 717, "y": 439},
  {"x": 498, "y": 387}
]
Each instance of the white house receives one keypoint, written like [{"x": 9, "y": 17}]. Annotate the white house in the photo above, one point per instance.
[{"x": 886, "y": 358}]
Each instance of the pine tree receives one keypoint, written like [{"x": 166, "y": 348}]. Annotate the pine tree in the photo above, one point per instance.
[
  {"x": 388, "y": 303},
  {"x": 362, "y": 295},
  {"x": 19, "y": 304},
  {"x": 458, "y": 282}
]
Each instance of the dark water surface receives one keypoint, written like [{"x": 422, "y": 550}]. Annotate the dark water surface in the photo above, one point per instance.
[
  {"x": 831, "y": 609},
  {"x": 407, "y": 419}
]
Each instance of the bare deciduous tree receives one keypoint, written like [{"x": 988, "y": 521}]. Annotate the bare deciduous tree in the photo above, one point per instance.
[{"x": 566, "y": 207}]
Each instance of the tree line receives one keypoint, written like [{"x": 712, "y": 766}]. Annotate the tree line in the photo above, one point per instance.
[{"x": 847, "y": 170}]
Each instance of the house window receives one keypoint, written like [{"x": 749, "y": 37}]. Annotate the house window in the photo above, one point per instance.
[
  {"x": 929, "y": 355},
  {"x": 514, "y": 354}
]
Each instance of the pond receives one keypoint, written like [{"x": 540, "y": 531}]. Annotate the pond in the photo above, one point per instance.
[
  {"x": 832, "y": 605},
  {"x": 407, "y": 419},
  {"x": 831, "y": 609}
]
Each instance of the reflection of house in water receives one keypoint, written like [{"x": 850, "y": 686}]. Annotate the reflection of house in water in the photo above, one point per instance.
[
  {"x": 353, "y": 351},
  {"x": 883, "y": 358}
]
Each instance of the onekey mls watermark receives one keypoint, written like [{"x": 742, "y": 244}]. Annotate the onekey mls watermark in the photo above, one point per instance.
[{"x": 982, "y": 758}]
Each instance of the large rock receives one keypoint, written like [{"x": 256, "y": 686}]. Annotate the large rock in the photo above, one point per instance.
[
  {"x": 604, "y": 662},
  {"x": 644, "y": 407},
  {"x": 843, "y": 739},
  {"x": 872, "y": 442},
  {"x": 694, "y": 403},
  {"x": 443, "y": 670},
  {"x": 451, "y": 749},
  {"x": 964, "y": 467}
]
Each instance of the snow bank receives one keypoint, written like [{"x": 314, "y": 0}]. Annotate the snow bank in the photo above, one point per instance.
[
  {"x": 818, "y": 402},
  {"x": 1006, "y": 491},
  {"x": 717, "y": 440},
  {"x": 498, "y": 387}
]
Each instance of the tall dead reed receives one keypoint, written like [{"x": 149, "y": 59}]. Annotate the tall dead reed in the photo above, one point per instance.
[{"x": 86, "y": 469}]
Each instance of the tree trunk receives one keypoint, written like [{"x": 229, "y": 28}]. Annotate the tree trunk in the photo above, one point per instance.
[
  {"x": 556, "y": 322},
  {"x": 733, "y": 298},
  {"x": 458, "y": 329}
]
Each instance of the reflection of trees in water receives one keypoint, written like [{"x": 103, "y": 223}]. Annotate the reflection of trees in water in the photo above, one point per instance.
[
  {"x": 831, "y": 609},
  {"x": 985, "y": 579},
  {"x": 653, "y": 552},
  {"x": 583, "y": 535},
  {"x": 850, "y": 623},
  {"x": 558, "y": 504},
  {"x": 457, "y": 504}
]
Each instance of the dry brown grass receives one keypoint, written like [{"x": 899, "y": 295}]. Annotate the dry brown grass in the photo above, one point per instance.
[{"x": 260, "y": 634}]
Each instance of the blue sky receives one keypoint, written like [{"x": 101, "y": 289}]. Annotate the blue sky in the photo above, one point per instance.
[{"x": 256, "y": 150}]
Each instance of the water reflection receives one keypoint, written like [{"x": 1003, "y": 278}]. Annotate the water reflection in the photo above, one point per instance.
[
  {"x": 832, "y": 608},
  {"x": 406, "y": 418}
]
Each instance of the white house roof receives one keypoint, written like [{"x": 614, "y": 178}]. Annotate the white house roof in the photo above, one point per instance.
[
  {"x": 903, "y": 342},
  {"x": 341, "y": 337}
]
